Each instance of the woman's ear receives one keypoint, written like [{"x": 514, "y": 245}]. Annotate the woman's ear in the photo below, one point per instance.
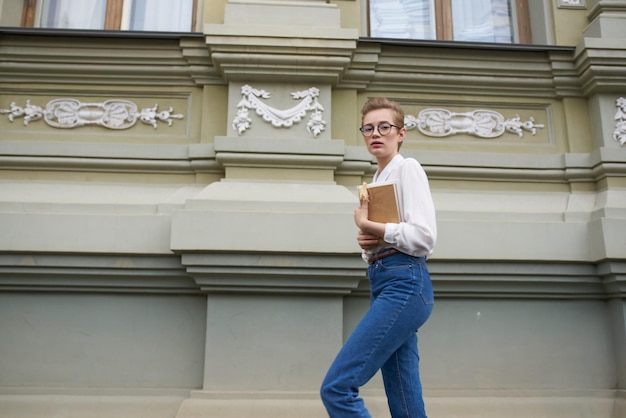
[{"x": 401, "y": 135}]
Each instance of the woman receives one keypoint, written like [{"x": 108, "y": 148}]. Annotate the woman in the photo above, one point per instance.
[{"x": 401, "y": 295}]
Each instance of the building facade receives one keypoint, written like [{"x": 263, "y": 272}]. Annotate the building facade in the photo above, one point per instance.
[{"x": 176, "y": 232}]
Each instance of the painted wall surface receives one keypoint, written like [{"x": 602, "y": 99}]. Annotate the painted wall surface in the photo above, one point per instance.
[{"x": 176, "y": 212}]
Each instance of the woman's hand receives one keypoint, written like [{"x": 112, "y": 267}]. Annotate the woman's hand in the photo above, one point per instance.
[
  {"x": 370, "y": 233},
  {"x": 367, "y": 241},
  {"x": 360, "y": 214}
]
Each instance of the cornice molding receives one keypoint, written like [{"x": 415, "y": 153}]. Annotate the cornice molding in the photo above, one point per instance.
[
  {"x": 557, "y": 168},
  {"x": 600, "y": 7},
  {"x": 613, "y": 274},
  {"x": 94, "y": 273},
  {"x": 326, "y": 155},
  {"x": 514, "y": 280},
  {"x": 275, "y": 273},
  {"x": 601, "y": 65},
  {"x": 104, "y": 58},
  {"x": 463, "y": 68},
  {"x": 306, "y": 274},
  {"x": 337, "y": 57},
  {"x": 109, "y": 158},
  {"x": 292, "y": 57}
]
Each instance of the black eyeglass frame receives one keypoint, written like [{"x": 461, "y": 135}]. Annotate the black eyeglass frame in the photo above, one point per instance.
[{"x": 387, "y": 131}]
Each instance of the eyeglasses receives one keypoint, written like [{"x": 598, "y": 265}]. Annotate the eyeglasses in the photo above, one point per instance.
[{"x": 383, "y": 129}]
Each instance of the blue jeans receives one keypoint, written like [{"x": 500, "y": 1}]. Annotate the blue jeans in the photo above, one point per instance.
[{"x": 386, "y": 339}]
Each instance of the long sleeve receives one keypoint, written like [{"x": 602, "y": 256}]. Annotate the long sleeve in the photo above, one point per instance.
[{"x": 416, "y": 234}]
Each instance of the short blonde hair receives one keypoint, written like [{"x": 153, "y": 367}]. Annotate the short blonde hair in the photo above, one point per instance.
[{"x": 376, "y": 103}]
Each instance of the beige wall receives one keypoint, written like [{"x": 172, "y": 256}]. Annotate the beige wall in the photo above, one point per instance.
[{"x": 194, "y": 269}]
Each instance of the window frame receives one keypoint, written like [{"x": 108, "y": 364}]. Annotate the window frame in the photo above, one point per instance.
[
  {"x": 443, "y": 21},
  {"x": 113, "y": 14}
]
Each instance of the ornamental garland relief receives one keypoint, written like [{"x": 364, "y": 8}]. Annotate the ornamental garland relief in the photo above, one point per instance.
[
  {"x": 253, "y": 100},
  {"x": 72, "y": 113},
  {"x": 620, "y": 126}
]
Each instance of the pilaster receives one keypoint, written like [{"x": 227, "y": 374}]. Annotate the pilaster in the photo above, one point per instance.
[
  {"x": 273, "y": 243},
  {"x": 614, "y": 279},
  {"x": 600, "y": 59},
  {"x": 601, "y": 63}
]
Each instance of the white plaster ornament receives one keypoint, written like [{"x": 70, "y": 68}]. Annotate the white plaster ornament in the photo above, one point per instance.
[
  {"x": 72, "y": 113},
  {"x": 620, "y": 126},
  {"x": 253, "y": 100},
  {"x": 436, "y": 122}
]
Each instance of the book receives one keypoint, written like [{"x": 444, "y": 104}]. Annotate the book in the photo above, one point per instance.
[{"x": 383, "y": 202}]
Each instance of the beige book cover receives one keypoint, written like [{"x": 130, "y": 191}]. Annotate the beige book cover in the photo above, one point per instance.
[{"x": 383, "y": 202}]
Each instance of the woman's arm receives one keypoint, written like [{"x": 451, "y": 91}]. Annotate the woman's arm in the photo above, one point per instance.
[
  {"x": 416, "y": 234},
  {"x": 370, "y": 233}
]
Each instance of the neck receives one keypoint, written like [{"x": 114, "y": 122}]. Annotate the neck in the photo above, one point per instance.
[{"x": 383, "y": 162}]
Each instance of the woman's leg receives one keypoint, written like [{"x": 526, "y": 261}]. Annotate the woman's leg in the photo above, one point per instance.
[
  {"x": 401, "y": 371},
  {"x": 359, "y": 359},
  {"x": 396, "y": 311},
  {"x": 402, "y": 382}
]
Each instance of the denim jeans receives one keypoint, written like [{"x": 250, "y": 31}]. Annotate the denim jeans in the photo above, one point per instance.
[{"x": 386, "y": 339}]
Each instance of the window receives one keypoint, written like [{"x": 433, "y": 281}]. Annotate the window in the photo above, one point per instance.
[
  {"x": 141, "y": 15},
  {"x": 499, "y": 21}
]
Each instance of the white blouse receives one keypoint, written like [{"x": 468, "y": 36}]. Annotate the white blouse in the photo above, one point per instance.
[{"x": 416, "y": 234}]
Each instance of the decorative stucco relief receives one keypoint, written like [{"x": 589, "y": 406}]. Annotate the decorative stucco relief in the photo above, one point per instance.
[
  {"x": 572, "y": 4},
  {"x": 72, "y": 113},
  {"x": 437, "y": 122},
  {"x": 620, "y": 126},
  {"x": 253, "y": 100}
]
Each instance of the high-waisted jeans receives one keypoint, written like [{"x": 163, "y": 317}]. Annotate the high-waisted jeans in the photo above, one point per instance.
[{"x": 386, "y": 339}]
